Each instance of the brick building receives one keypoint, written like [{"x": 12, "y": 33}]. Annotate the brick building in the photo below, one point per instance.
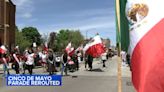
[{"x": 7, "y": 23}]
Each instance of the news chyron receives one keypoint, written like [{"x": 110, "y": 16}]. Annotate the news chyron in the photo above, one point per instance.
[{"x": 34, "y": 80}]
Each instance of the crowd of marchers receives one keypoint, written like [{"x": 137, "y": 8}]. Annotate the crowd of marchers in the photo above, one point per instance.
[{"x": 50, "y": 61}]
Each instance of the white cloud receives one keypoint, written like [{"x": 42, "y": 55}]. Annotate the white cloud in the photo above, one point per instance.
[
  {"x": 93, "y": 19},
  {"x": 27, "y": 15},
  {"x": 91, "y": 12},
  {"x": 24, "y": 8},
  {"x": 93, "y": 23},
  {"x": 95, "y": 26}
]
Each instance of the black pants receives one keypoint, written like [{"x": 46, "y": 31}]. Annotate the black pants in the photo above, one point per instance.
[
  {"x": 16, "y": 67},
  {"x": 30, "y": 68},
  {"x": 77, "y": 65},
  {"x": 86, "y": 62},
  {"x": 90, "y": 64},
  {"x": 104, "y": 63}
]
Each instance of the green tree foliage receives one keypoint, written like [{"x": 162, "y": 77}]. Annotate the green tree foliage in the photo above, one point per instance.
[
  {"x": 32, "y": 35},
  {"x": 56, "y": 41},
  {"x": 21, "y": 41},
  {"x": 66, "y": 36}
]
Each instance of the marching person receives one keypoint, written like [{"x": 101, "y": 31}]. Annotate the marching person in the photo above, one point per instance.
[
  {"x": 30, "y": 61},
  {"x": 90, "y": 61},
  {"x": 75, "y": 63},
  {"x": 4, "y": 60},
  {"x": 22, "y": 64},
  {"x": 16, "y": 62},
  {"x": 57, "y": 61},
  {"x": 72, "y": 63},
  {"x": 64, "y": 63},
  {"x": 79, "y": 55},
  {"x": 104, "y": 58},
  {"x": 123, "y": 57},
  {"x": 86, "y": 61},
  {"x": 44, "y": 60},
  {"x": 51, "y": 62},
  {"x": 24, "y": 59}
]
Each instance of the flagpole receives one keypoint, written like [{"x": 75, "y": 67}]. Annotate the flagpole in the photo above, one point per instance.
[{"x": 119, "y": 74}]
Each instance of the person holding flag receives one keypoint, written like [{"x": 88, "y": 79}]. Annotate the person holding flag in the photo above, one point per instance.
[
  {"x": 95, "y": 47},
  {"x": 4, "y": 59},
  {"x": 16, "y": 62},
  {"x": 44, "y": 58},
  {"x": 30, "y": 61}
]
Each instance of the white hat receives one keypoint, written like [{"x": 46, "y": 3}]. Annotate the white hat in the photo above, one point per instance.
[
  {"x": 3, "y": 49},
  {"x": 17, "y": 47}
]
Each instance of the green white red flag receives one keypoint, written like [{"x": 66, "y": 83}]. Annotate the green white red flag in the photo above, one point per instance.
[
  {"x": 146, "y": 33},
  {"x": 95, "y": 47},
  {"x": 69, "y": 49}
]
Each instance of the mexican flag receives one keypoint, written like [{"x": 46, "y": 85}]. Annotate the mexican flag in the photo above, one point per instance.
[
  {"x": 95, "y": 47},
  {"x": 146, "y": 38},
  {"x": 69, "y": 49}
]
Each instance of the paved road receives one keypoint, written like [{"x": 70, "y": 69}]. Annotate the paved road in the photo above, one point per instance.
[{"x": 99, "y": 80}]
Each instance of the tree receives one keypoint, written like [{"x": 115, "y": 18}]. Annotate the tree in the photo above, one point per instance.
[
  {"x": 21, "y": 41},
  {"x": 32, "y": 35},
  {"x": 66, "y": 36}
]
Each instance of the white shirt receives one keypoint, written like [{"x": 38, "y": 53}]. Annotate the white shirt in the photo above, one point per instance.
[
  {"x": 79, "y": 57},
  {"x": 40, "y": 54},
  {"x": 103, "y": 56},
  {"x": 123, "y": 55},
  {"x": 30, "y": 59},
  {"x": 44, "y": 57}
]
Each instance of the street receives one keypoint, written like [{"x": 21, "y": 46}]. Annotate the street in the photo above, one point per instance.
[{"x": 99, "y": 80}]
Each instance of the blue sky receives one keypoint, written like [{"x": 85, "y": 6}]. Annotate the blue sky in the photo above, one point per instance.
[{"x": 89, "y": 16}]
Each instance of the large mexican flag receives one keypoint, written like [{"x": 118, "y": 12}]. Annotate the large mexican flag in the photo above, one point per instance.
[{"x": 146, "y": 36}]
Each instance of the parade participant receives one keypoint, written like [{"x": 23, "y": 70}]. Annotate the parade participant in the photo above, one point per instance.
[
  {"x": 90, "y": 60},
  {"x": 30, "y": 61},
  {"x": 72, "y": 63},
  {"x": 123, "y": 57},
  {"x": 79, "y": 55},
  {"x": 4, "y": 60},
  {"x": 16, "y": 62},
  {"x": 64, "y": 63},
  {"x": 22, "y": 64},
  {"x": 51, "y": 62},
  {"x": 44, "y": 60},
  {"x": 86, "y": 61},
  {"x": 24, "y": 59},
  {"x": 77, "y": 59},
  {"x": 104, "y": 58},
  {"x": 57, "y": 60},
  {"x": 128, "y": 60}
]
